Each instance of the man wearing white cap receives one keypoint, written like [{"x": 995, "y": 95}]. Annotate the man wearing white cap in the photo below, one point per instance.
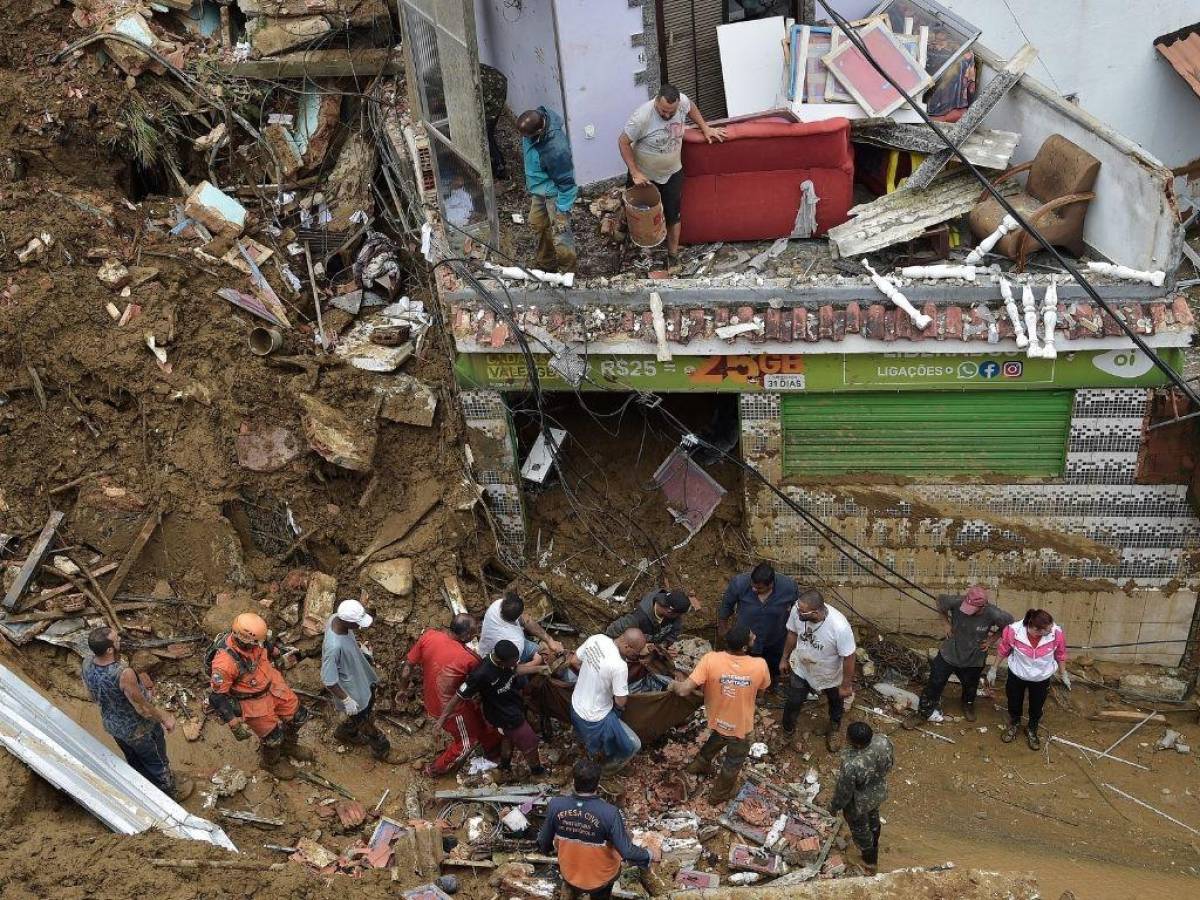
[{"x": 347, "y": 673}]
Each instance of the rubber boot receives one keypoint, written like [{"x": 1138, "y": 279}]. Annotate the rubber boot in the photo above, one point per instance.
[
  {"x": 701, "y": 764},
  {"x": 723, "y": 787},
  {"x": 1031, "y": 738},
  {"x": 273, "y": 762},
  {"x": 876, "y": 832},
  {"x": 969, "y": 711},
  {"x": 291, "y": 746},
  {"x": 833, "y": 737},
  {"x": 183, "y": 789}
]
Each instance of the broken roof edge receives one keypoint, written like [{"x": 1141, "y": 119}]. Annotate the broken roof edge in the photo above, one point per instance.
[
  {"x": 61, "y": 751},
  {"x": 851, "y": 345},
  {"x": 783, "y": 293}
]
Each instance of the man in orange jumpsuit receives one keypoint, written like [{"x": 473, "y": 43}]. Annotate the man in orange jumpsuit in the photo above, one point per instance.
[{"x": 249, "y": 694}]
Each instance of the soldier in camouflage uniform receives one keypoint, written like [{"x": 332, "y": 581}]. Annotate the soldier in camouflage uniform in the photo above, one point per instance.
[
  {"x": 862, "y": 787},
  {"x": 495, "y": 97}
]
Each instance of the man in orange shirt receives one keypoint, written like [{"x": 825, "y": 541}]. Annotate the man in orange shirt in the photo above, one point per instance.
[
  {"x": 249, "y": 694},
  {"x": 732, "y": 682}
]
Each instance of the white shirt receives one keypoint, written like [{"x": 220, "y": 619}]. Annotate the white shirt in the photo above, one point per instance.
[
  {"x": 602, "y": 676},
  {"x": 495, "y": 629},
  {"x": 820, "y": 648}
]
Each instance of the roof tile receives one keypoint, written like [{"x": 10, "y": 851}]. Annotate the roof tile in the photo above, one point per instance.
[{"x": 828, "y": 323}]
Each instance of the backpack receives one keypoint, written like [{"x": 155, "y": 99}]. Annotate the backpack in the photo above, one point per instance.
[{"x": 217, "y": 646}]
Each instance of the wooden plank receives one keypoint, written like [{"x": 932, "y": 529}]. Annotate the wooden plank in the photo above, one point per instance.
[
  {"x": 339, "y": 63},
  {"x": 1127, "y": 715},
  {"x": 904, "y": 215},
  {"x": 135, "y": 550},
  {"x": 993, "y": 92},
  {"x": 34, "y": 599},
  {"x": 40, "y": 548},
  {"x": 986, "y": 147}
]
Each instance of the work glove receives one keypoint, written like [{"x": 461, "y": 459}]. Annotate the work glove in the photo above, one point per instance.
[
  {"x": 1066, "y": 678},
  {"x": 240, "y": 731},
  {"x": 991, "y": 675},
  {"x": 350, "y": 707}
]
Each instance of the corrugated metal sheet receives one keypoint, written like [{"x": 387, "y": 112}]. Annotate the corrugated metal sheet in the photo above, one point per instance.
[
  {"x": 924, "y": 433},
  {"x": 1182, "y": 50},
  {"x": 61, "y": 751},
  {"x": 693, "y": 60}
]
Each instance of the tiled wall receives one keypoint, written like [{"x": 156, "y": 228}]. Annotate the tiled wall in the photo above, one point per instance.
[{"x": 1030, "y": 541}]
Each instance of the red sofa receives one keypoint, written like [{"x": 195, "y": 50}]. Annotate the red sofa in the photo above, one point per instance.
[{"x": 748, "y": 188}]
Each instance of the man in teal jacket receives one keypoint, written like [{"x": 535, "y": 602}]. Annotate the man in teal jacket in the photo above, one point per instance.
[{"x": 550, "y": 178}]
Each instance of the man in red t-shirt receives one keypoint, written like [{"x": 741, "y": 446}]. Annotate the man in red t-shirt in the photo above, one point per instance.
[{"x": 445, "y": 661}]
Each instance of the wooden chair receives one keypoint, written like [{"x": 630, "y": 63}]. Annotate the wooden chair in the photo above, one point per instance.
[{"x": 1055, "y": 200}]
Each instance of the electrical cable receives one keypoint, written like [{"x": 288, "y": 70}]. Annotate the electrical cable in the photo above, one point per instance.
[
  {"x": 838, "y": 541},
  {"x": 1071, "y": 269}
]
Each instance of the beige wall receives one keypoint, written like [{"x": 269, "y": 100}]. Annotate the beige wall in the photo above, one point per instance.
[{"x": 1087, "y": 619}]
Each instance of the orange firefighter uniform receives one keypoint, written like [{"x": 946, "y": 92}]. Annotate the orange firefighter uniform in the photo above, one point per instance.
[{"x": 246, "y": 675}]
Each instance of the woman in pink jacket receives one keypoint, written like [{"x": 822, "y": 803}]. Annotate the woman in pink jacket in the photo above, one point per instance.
[{"x": 1035, "y": 649}]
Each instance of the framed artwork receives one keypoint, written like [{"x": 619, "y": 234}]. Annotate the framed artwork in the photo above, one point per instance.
[
  {"x": 949, "y": 36},
  {"x": 869, "y": 89},
  {"x": 809, "y": 44},
  {"x": 834, "y": 92}
]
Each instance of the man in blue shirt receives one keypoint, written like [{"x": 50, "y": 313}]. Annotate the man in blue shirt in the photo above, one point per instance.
[
  {"x": 550, "y": 178},
  {"x": 761, "y": 600},
  {"x": 589, "y": 837}
]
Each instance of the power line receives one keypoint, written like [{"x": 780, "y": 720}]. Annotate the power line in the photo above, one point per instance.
[{"x": 1072, "y": 270}]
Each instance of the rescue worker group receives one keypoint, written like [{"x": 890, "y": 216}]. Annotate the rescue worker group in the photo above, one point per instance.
[{"x": 780, "y": 643}]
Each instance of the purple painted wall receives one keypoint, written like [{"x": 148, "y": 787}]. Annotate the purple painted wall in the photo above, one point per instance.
[{"x": 599, "y": 65}]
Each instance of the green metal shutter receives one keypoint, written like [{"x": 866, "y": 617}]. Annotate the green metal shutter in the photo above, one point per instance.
[{"x": 922, "y": 433}]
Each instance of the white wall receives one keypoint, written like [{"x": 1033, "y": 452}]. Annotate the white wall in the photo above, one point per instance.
[
  {"x": 1103, "y": 52},
  {"x": 598, "y": 68},
  {"x": 1131, "y": 221},
  {"x": 520, "y": 43}
]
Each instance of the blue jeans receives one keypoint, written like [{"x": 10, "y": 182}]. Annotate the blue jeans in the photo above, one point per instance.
[
  {"x": 529, "y": 651},
  {"x": 146, "y": 754}
]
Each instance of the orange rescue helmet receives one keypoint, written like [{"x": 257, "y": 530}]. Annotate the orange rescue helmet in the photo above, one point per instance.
[{"x": 250, "y": 628}]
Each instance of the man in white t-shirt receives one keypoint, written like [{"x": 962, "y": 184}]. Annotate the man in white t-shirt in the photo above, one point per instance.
[
  {"x": 600, "y": 694},
  {"x": 506, "y": 620},
  {"x": 819, "y": 654},
  {"x": 652, "y": 147}
]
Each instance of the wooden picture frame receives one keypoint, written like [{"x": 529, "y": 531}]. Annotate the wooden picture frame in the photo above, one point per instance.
[
  {"x": 868, "y": 88},
  {"x": 809, "y": 43},
  {"x": 950, "y": 36}
]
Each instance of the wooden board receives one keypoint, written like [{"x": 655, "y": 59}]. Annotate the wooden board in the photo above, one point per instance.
[
  {"x": 905, "y": 214},
  {"x": 40, "y": 548},
  {"x": 338, "y": 63},
  {"x": 993, "y": 92}
]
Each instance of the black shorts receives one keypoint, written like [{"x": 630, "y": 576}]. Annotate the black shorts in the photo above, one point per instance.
[{"x": 671, "y": 193}]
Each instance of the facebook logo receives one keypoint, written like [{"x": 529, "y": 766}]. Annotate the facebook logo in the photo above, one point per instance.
[{"x": 989, "y": 369}]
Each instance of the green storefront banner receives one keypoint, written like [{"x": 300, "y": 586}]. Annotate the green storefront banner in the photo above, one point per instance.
[{"x": 825, "y": 372}]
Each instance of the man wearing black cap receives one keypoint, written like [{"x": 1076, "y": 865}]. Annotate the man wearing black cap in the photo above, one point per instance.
[{"x": 659, "y": 616}]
